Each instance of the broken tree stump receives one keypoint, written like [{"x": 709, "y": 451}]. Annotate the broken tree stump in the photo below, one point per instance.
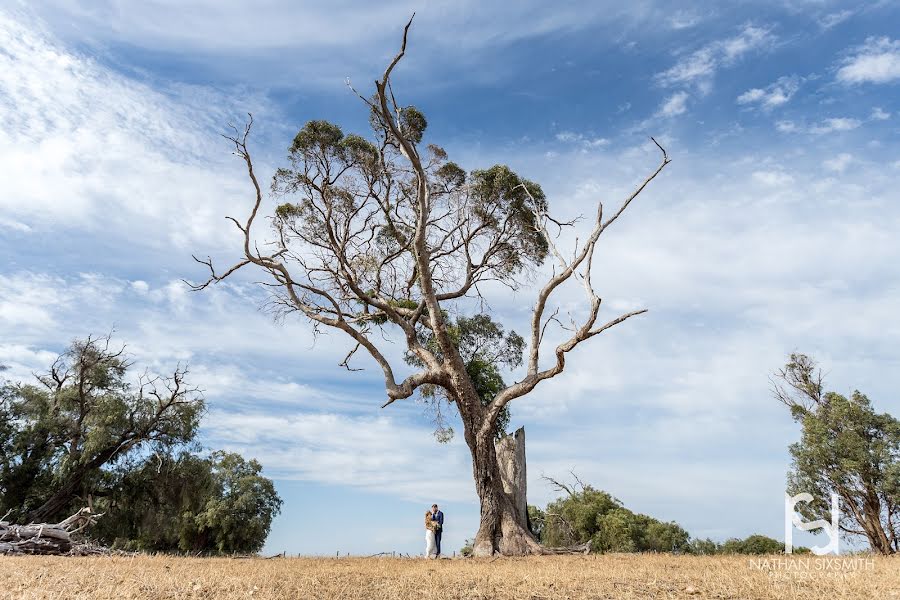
[{"x": 511, "y": 458}]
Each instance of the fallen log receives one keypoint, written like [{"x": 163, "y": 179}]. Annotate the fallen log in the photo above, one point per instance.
[{"x": 45, "y": 538}]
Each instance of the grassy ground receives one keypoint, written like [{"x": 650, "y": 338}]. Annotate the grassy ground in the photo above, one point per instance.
[{"x": 610, "y": 576}]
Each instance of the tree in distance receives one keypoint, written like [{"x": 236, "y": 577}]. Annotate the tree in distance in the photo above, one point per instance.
[{"x": 845, "y": 448}]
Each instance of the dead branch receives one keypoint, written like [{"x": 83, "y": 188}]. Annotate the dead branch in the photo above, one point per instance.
[{"x": 46, "y": 538}]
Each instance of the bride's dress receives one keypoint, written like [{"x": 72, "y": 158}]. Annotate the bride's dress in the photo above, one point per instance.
[{"x": 430, "y": 544}]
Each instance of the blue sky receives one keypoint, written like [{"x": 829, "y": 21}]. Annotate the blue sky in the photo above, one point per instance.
[{"x": 773, "y": 230}]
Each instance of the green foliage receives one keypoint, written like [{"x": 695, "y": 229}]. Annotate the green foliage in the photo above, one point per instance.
[
  {"x": 591, "y": 515},
  {"x": 754, "y": 544},
  {"x": 215, "y": 505},
  {"x": 85, "y": 431},
  {"x": 586, "y": 514},
  {"x": 702, "y": 547},
  {"x": 81, "y": 416},
  {"x": 505, "y": 200},
  {"x": 238, "y": 516},
  {"x": 847, "y": 448},
  {"x": 317, "y": 136},
  {"x": 484, "y": 347},
  {"x": 467, "y": 550},
  {"x": 151, "y": 504},
  {"x": 334, "y": 176},
  {"x": 536, "y": 520},
  {"x": 451, "y": 175},
  {"x": 412, "y": 124}
]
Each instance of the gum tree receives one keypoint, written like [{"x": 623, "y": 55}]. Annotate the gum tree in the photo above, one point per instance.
[
  {"x": 383, "y": 238},
  {"x": 845, "y": 448}
]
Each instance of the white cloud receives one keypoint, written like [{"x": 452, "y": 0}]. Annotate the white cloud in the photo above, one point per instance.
[
  {"x": 586, "y": 142},
  {"x": 328, "y": 42},
  {"x": 85, "y": 148},
  {"x": 773, "y": 178},
  {"x": 833, "y": 19},
  {"x": 379, "y": 453},
  {"x": 875, "y": 61},
  {"x": 684, "y": 20},
  {"x": 830, "y": 125},
  {"x": 879, "y": 115},
  {"x": 835, "y": 124},
  {"x": 675, "y": 104},
  {"x": 786, "y": 126},
  {"x": 773, "y": 95},
  {"x": 699, "y": 67},
  {"x": 839, "y": 163}
]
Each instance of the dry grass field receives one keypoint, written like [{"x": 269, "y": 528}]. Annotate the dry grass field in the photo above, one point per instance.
[{"x": 609, "y": 576}]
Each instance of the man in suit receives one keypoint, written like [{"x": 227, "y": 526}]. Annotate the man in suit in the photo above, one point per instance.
[{"x": 437, "y": 515}]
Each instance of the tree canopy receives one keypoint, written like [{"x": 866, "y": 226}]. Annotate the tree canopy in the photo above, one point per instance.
[
  {"x": 846, "y": 448},
  {"x": 586, "y": 514},
  {"x": 219, "y": 504},
  {"x": 89, "y": 434}
]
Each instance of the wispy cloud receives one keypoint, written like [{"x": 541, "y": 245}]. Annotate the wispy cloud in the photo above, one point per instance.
[
  {"x": 699, "y": 67},
  {"x": 839, "y": 163},
  {"x": 825, "y": 126},
  {"x": 833, "y": 19},
  {"x": 875, "y": 61},
  {"x": 674, "y": 105},
  {"x": 773, "y": 178},
  {"x": 579, "y": 139},
  {"x": 124, "y": 156},
  {"x": 773, "y": 95},
  {"x": 684, "y": 20}
]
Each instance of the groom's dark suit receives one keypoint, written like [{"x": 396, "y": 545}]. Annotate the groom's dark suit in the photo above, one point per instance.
[{"x": 439, "y": 517}]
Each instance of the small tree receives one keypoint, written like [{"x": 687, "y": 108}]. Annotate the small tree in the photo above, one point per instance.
[
  {"x": 386, "y": 237},
  {"x": 238, "y": 516},
  {"x": 845, "y": 448}
]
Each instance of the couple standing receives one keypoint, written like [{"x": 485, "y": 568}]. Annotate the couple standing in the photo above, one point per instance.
[{"x": 434, "y": 526}]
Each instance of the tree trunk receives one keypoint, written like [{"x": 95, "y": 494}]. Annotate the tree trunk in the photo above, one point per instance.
[
  {"x": 511, "y": 458},
  {"x": 43, "y": 538},
  {"x": 59, "y": 500},
  {"x": 503, "y": 526}
]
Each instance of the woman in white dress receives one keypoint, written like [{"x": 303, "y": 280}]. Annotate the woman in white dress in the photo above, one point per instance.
[{"x": 430, "y": 544}]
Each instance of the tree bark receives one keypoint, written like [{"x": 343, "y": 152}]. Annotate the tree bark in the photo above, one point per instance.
[
  {"x": 43, "y": 538},
  {"x": 511, "y": 458},
  {"x": 502, "y": 528},
  {"x": 60, "y": 498}
]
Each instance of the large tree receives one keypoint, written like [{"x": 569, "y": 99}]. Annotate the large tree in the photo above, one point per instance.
[
  {"x": 385, "y": 237},
  {"x": 845, "y": 448},
  {"x": 81, "y": 416}
]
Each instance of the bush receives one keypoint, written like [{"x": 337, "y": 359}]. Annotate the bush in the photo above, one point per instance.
[
  {"x": 754, "y": 544},
  {"x": 591, "y": 515}
]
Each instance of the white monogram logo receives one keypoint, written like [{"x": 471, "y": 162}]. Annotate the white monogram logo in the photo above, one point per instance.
[{"x": 792, "y": 519}]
